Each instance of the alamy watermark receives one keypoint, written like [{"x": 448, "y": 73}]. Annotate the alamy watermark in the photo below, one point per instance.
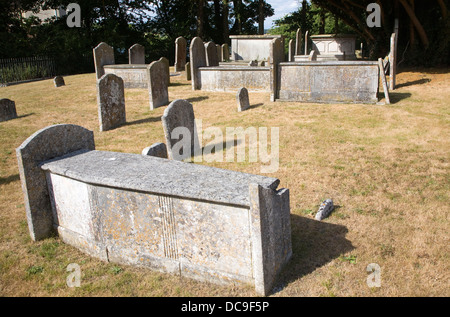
[
  {"x": 74, "y": 278},
  {"x": 374, "y": 278},
  {"x": 235, "y": 143},
  {"x": 374, "y": 18},
  {"x": 74, "y": 18}
]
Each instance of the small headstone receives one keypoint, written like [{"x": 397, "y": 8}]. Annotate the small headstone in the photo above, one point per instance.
[
  {"x": 219, "y": 53},
  {"x": 253, "y": 63},
  {"x": 188, "y": 71},
  {"x": 325, "y": 209},
  {"x": 136, "y": 54},
  {"x": 197, "y": 57},
  {"x": 306, "y": 42},
  {"x": 7, "y": 110},
  {"x": 242, "y": 99},
  {"x": 165, "y": 61},
  {"x": 111, "y": 102},
  {"x": 182, "y": 142},
  {"x": 157, "y": 84},
  {"x": 180, "y": 53},
  {"x": 262, "y": 63},
  {"x": 58, "y": 81},
  {"x": 312, "y": 56},
  {"x": 157, "y": 149},
  {"x": 291, "y": 50},
  {"x": 298, "y": 42},
  {"x": 211, "y": 54},
  {"x": 103, "y": 55},
  {"x": 225, "y": 53}
]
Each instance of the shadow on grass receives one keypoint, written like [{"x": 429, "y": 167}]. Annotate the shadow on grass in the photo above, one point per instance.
[
  {"x": 255, "y": 106},
  {"x": 9, "y": 179},
  {"x": 395, "y": 97},
  {"x": 414, "y": 82},
  {"x": 196, "y": 99},
  {"x": 140, "y": 121},
  {"x": 178, "y": 84},
  {"x": 314, "y": 244}
]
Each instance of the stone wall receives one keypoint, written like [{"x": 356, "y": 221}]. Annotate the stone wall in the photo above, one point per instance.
[
  {"x": 341, "y": 81},
  {"x": 133, "y": 75},
  {"x": 251, "y": 47}
]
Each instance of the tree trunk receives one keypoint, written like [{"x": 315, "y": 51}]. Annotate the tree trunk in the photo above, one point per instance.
[
  {"x": 218, "y": 19},
  {"x": 443, "y": 8},
  {"x": 237, "y": 5},
  {"x": 226, "y": 30},
  {"x": 200, "y": 18},
  {"x": 412, "y": 38},
  {"x": 322, "y": 21},
  {"x": 419, "y": 28},
  {"x": 261, "y": 17}
]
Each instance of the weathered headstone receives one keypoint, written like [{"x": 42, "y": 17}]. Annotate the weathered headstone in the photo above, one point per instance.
[
  {"x": 392, "y": 62},
  {"x": 312, "y": 55},
  {"x": 298, "y": 42},
  {"x": 188, "y": 71},
  {"x": 45, "y": 144},
  {"x": 276, "y": 57},
  {"x": 225, "y": 53},
  {"x": 157, "y": 149},
  {"x": 157, "y": 84},
  {"x": 253, "y": 63},
  {"x": 58, "y": 81},
  {"x": 197, "y": 57},
  {"x": 291, "y": 50},
  {"x": 165, "y": 61},
  {"x": 180, "y": 130},
  {"x": 325, "y": 209},
  {"x": 136, "y": 54},
  {"x": 211, "y": 54},
  {"x": 219, "y": 53},
  {"x": 7, "y": 110},
  {"x": 242, "y": 99},
  {"x": 180, "y": 53},
  {"x": 306, "y": 42},
  {"x": 111, "y": 102},
  {"x": 103, "y": 55}
]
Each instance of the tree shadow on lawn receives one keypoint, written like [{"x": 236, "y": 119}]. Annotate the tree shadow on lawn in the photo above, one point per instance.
[{"x": 314, "y": 244}]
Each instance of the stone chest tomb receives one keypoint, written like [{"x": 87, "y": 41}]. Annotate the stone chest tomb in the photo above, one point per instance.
[{"x": 192, "y": 220}]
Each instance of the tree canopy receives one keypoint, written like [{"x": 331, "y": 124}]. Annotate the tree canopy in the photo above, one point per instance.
[{"x": 424, "y": 26}]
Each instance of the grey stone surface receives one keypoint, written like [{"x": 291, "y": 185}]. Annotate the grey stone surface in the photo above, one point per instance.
[
  {"x": 103, "y": 55},
  {"x": 157, "y": 84},
  {"x": 242, "y": 99},
  {"x": 211, "y": 54},
  {"x": 298, "y": 42},
  {"x": 325, "y": 209},
  {"x": 157, "y": 149},
  {"x": 7, "y": 110},
  {"x": 58, "y": 81},
  {"x": 180, "y": 53},
  {"x": 111, "y": 102},
  {"x": 326, "y": 82},
  {"x": 165, "y": 61},
  {"x": 133, "y": 75},
  {"x": 306, "y": 42},
  {"x": 137, "y": 172},
  {"x": 45, "y": 144},
  {"x": 197, "y": 57},
  {"x": 136, "y": 54},
  {"x": 180, "y": 114},
  {"x": 188, "y": 71},
  {"x": 219, "y": 53}
]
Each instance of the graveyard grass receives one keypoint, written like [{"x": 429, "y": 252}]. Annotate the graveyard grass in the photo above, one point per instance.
[{"x": 386, "y": 167}]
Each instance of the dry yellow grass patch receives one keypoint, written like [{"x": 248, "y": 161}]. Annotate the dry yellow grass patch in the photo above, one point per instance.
[{"x": 385, "y": 167}]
